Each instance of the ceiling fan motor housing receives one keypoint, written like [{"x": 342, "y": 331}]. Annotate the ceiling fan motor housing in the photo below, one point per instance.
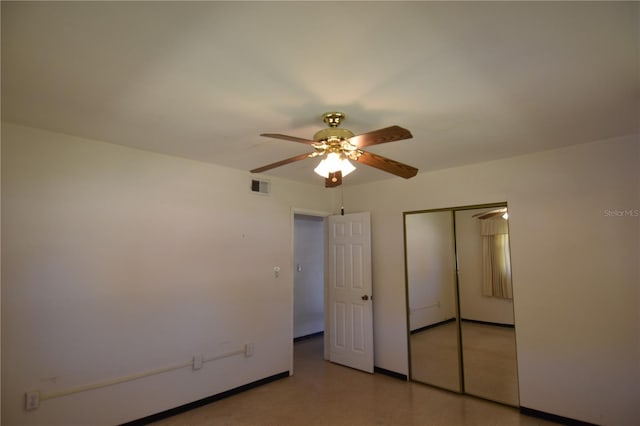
[
  {"x": 335, "y": 140},
  {"x": 332, "y": 133}
]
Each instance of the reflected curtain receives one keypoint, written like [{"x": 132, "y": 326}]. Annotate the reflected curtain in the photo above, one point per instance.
[{"x": 496, "y": 260}]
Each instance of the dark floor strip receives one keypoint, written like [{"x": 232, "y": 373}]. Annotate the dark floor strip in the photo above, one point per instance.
[
  {"x": 204, "y": 401},
  {"x": 390, "y": 373},
  {"x": 308, "y": 336},
  {"x": 554, "y": 418}
]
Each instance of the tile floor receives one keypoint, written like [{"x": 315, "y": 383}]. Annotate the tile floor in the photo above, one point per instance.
[{"x": 323, "y": 393}]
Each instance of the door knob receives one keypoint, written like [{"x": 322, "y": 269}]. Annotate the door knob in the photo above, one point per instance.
[{"x": 365, "y": 297}]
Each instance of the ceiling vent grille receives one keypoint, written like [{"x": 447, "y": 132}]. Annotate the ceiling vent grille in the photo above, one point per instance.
[{"x": 260, "y": 186}]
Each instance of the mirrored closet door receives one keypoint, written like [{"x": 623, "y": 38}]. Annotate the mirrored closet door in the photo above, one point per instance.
[
  {"x": 459, "y": 301},
  {"x": 431, "y": 282}
]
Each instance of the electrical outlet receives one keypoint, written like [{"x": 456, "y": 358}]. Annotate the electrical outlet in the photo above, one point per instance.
[
  {"x": 248, "y": 349},
  {"x": 31, "y": 400}
]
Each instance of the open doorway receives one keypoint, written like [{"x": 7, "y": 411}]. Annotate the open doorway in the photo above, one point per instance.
[
  {"x": 308, "y": 282},
  {"x": 333, "y": 303},
  {"x": 308, "y": 289}
]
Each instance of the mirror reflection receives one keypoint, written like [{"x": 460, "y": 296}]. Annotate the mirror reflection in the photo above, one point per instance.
[
  {"x": 461, "y": 323},
  {"x": 486, "y": 304},
  {"x": 431, "y": 284}
]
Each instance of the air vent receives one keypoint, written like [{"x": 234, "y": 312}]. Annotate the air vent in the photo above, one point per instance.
[{"x": 260, "y": 186}]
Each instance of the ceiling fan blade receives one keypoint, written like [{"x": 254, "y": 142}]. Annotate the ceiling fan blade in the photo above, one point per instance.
[
  {"x": 388, "y": 134},
  {"x": 334, "y": 179},
  {"x": 388, "y": 165},
  {"x": 281, "y": 163},
  {"x": 287, "y": 138},
  {"x": 489, "y": 214}
]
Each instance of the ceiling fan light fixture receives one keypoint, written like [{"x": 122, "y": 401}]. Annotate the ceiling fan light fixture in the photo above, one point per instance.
[
  {"x": 334, "y": 162},
  {"x": 347, "y": 167}
]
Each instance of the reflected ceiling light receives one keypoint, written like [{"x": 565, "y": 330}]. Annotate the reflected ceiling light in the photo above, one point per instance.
[{"x": 505, "y": 216}]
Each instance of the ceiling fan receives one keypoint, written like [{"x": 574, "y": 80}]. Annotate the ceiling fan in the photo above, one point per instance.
[
  {"x": 502, "y": 211},
  {"x": 337, "y": 146}
]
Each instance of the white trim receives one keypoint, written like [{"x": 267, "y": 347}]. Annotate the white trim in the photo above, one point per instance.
[{"x": 317, "y": 213}]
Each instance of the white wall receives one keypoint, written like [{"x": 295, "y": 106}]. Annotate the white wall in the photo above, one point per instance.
[
  {"x": 308, "y": 259},
  {"x": 575, "y": 270},
  {"x": 473, "y": 304},
  {"x": 430, "y": 268},
  {"x": 118, "y": 261}
]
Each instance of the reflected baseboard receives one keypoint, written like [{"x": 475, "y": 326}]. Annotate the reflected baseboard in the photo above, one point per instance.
[
  {"x": 496, "y": 324},
  {"x": 426, "y": 327}
]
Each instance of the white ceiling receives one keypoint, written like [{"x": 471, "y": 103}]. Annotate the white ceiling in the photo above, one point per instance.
[{"x": 472, "y": 81}]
